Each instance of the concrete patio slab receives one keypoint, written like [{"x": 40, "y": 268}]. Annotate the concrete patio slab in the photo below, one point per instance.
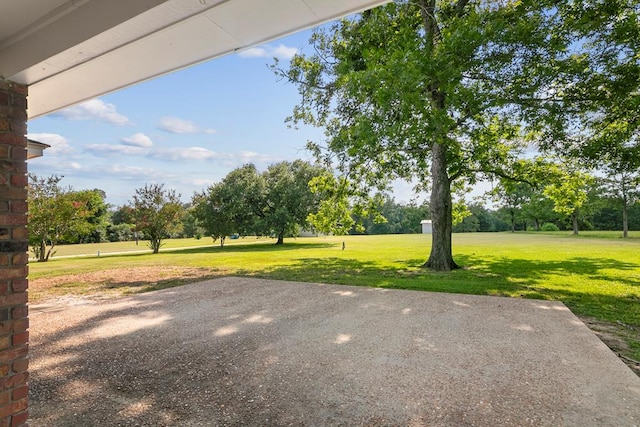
[{"x": 238, "y": 351}]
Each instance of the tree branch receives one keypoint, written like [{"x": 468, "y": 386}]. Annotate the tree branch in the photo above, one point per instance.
[
  {"x": 501, "y": 174},
  {"x": 460, "y": 7},
  {"x": 428, "y": 12}
]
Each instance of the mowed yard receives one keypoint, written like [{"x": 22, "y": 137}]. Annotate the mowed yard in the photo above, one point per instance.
[{"x": 597, "y": 275}]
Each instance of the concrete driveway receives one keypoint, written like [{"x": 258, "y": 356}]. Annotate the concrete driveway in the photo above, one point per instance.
[{"x": 238, "y": 351}]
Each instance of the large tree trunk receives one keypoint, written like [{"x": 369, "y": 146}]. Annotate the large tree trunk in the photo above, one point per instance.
[
  {"x": 441, "y": 258},
  {"x": 280, "y": 238},
  {"x": 575, "y": 223}
]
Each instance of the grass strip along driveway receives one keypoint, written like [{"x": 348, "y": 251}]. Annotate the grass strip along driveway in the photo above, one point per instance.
[{"x": 597, "y": 275}]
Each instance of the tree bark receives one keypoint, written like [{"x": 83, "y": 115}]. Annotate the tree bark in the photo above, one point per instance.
[
  {"x": 625, "y": 220},
  {"x": 440, "y": 258},
  {"x": 513, "y": 220},
  {"x": 43, "y": 252},
  {"x": 575, "y": 223},
  {"x": 155, "y": 245},
  {"x": 280, "y": 239}
]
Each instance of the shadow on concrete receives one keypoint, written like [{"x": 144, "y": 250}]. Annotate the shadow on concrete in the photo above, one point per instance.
[
  {"x": 152, "y": 361},
  {"x": 502, "y": 277},
  {"x": 237, "y": 351}
]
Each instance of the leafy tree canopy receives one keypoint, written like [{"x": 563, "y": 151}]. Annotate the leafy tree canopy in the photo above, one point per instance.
[
  {"x": 607, "y": 88},
  {"x": 56, "y": 212},
  {"x": 155, "y": 211},
  {"x": 438, "y": 91},
  {"x": 275, "y": 202},
  {"x": 288, "y": 199}
]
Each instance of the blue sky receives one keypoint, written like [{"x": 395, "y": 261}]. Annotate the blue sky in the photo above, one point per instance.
[{"x": 186, "y": 130}]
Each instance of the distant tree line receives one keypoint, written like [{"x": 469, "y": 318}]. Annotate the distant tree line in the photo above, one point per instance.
[
  {"x": 292, "y": 196},
  {"x": 564, "y": 194},
  {"x": 399, "y": 218},
  {"x": 276, "y": 203}
]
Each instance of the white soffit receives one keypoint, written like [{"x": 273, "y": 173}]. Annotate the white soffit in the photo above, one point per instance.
[{"x": 85, "y": 48}]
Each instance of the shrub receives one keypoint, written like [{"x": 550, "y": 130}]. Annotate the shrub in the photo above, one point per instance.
[
  {"x": 119, "y": 233},
  {"x": 549, "y": 226}
]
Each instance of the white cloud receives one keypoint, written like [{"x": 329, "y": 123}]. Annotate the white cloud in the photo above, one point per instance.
[
  {"x": 187, "y": 153},
  {"x": 56, "y": 166},
  {"x": 284, "y": 52},
  {"x": 117, "y": 149},
  {"x": 138, "y": 175},
  {"x": 94, "y": 109},
  {"x": 184, "y": 155},
  {"x": 72, "y": 165},
  {"x": 267, "y": 51},
  {"x": 59, "y": 144},
  {"x": 137, "y": 140},
  {"x": 252, "y": 157},
  {"x": 226, "y": 159},
  {"x": 130, "y": 172},
  {"x": 199, "y": 182},
  {"x": 176, "y": 125},
  {"x": 254, "y": 52}
]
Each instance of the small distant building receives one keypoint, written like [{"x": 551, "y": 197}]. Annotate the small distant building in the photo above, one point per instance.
[{"x": 427, "y": 227}]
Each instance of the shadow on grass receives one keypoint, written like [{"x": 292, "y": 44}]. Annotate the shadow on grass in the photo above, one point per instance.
[
  {"x": 407, "y": 274},
  {"x": 251, "y": 247},
  {"x": 531, "y": 272},
  {"x": 234, "y": 248},
  {"x": 544, "y": 279},
  {"x": 498, "y": 277},
  {"x": 482, "y": 275}
]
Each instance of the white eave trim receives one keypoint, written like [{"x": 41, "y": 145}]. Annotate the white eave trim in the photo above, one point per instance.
[{"x": 177, "y": 34}]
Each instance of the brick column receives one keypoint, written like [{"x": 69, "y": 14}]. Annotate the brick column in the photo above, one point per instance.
[{"x": 14, "y": 246}]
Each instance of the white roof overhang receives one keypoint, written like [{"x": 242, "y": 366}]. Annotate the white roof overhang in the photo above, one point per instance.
[
  {"x": 69, "y": 51},
  {"x": 35, "y": 148}
]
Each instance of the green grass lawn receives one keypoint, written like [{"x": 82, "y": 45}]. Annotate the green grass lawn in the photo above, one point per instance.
[
  {"x": 106, "y": 248},
  {"x": 597, "y": 275}
]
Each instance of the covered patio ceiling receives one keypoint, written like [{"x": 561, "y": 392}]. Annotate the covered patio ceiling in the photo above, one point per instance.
[{"x": 69, "y": 51}]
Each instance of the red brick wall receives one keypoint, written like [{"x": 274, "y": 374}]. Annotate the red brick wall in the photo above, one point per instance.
[{"x": 14, "y": 321}]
